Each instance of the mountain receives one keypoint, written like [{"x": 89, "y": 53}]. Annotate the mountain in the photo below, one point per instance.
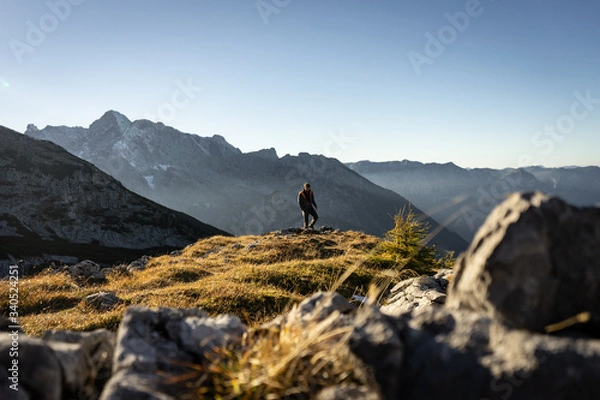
[
  {"x": 462, "y": 198},
  {"x": 55, "y": 204},
  {"x": 243, "y": 193}
]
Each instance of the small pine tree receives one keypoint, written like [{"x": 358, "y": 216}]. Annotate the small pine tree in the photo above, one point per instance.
[{"x": 404, "y": 247}]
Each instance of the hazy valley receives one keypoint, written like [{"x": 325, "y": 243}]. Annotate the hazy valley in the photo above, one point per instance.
[{"x": 461, "y": 198}]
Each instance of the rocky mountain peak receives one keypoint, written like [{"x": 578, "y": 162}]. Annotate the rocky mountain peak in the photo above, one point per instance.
[
  {"x": 267, "y": 154},
  {"x": 112, "y": 119}
]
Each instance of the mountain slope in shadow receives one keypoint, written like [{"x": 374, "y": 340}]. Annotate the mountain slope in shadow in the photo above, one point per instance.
[{"x": 53, "y": 203}]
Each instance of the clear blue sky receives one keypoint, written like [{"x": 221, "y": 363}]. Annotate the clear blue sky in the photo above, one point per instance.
[{"x": 354, "y": 79}]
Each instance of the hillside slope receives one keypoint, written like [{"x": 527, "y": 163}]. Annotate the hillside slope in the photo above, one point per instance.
[
  {"x": 215, "y": 182},
  {"x": 52, "y": 203},
  {"x": 254, "y": 277}
]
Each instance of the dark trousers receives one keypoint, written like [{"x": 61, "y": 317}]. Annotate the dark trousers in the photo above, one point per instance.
[{"x": 312, "y": 212}]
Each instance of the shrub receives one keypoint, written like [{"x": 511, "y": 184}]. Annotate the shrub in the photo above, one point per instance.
[{"x": 405, "y": 248}]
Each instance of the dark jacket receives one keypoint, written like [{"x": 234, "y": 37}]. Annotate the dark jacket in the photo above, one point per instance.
[{"x": 306, "y": 199}]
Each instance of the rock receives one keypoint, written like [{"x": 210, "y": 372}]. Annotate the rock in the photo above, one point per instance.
[
  {"x": 417, "y": 293},
  {"x": 37, "y": 374},
  {"x": 345, "y": 392},
  {"x": 535, "y": 262},
  {"x": 87, "y": 271},
  {"x": 377, "y": 342},
  {"x": 202, "y": 335},
  {"x": 317, "y": 308},
  {"x": 445, "y": 349},
  {"x": 102, "y": 300},
  {"x": 86, "y": 359},
  {"x": 139, "y": 264},
  {"x": 287, "y": 231},
  {"x": 167, "y": 340},
  {"x": 252, "y": 245},
  {"x": 63, "y": 365},
  {"x": 302, "y": 231}
]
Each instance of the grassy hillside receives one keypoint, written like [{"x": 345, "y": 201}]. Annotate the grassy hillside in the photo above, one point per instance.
[{"x": 254, "y": 277}]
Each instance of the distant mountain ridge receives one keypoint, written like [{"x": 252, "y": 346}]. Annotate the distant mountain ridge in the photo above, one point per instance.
[
  {"x": 53, "y": 203},
  {"x": 462, "y": 197},
  {"x": 243, "y": 193}
]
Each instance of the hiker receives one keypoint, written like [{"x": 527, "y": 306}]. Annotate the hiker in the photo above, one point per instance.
[{"x": 306, "y": 201}]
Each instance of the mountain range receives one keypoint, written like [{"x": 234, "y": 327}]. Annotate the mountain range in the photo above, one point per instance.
[
  {"x": 462, "y": 198},
  {"x": 242, "y": 193},
  {"x": 56, "y": 206}
]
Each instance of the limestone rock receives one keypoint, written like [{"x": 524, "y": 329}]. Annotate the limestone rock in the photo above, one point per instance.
[
  {"x": 102, "y": 300},
  {"x": 377, "y": 342},
  {"x": 418, "y": 293},
  {"x": 63, "y": 365},
  {"x": 345, "y": 392},
  {"x": 318, "y": 307},
  {"x": 459, "y": 354},
  {"x": 535, "y": 262},
  {"x": 167, "y": 340},
  {"x": 139, "y": 264},
  {"x": 38, "y": 372},
  {"x": 87, "y": 271},
  {"x": 97, "y": 349}
]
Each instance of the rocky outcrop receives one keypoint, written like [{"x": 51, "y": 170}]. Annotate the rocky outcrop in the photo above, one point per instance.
[{"x": 53, "y": 204}]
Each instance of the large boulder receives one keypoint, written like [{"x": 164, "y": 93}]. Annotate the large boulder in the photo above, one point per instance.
[{"x": 534, "y": 262}]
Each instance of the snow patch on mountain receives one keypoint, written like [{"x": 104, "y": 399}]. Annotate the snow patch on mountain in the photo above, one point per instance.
[{"x": 150, "y": 181}]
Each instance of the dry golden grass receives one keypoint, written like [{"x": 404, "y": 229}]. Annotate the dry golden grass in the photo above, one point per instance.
[
  {"x": 219, "y": 274},
  {"x": 294, "y": 362}
]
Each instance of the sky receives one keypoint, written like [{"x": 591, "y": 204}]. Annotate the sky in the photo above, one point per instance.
[{"x": 490, "y": 83}]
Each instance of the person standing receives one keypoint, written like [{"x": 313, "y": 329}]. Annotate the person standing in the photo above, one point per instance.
[{"x": 306, "y": 201}]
